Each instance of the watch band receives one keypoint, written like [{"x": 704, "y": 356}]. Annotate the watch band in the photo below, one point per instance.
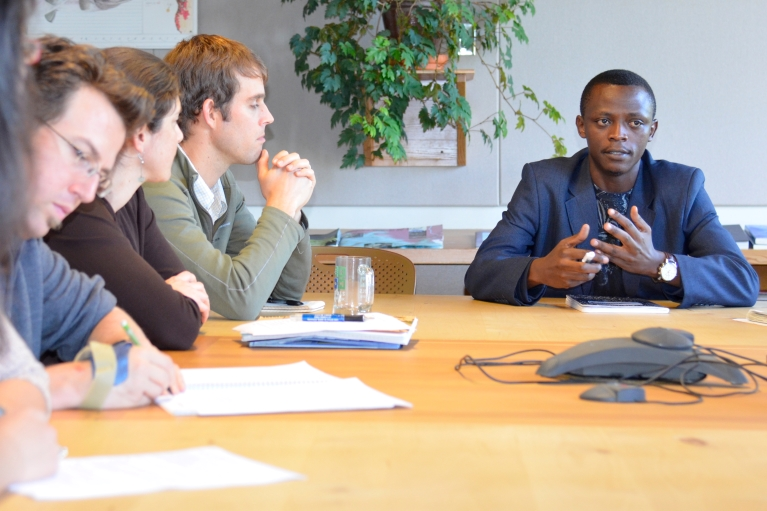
[{"x": 669, "y": 260}]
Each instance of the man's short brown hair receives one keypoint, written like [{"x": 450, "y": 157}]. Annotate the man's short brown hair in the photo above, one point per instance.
[
  {"x": 207, "y": 67},
  {"x": 65, "y": 67}
]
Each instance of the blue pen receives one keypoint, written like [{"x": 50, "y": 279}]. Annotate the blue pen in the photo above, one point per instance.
[{"x": 331, "y": 317}]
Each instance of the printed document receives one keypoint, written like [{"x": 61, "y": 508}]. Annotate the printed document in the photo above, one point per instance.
[
  {"x": 297, "y": 387},
  {"x": 200, "y": 468}
]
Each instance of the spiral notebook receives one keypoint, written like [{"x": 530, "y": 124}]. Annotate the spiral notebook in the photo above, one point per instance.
[{"x": 297, "y": 387}]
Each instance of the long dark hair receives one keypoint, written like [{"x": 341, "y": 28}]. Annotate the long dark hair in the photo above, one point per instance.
[
  {"x": 14, "y": 130},
  {"x": 151, "y": 74}
]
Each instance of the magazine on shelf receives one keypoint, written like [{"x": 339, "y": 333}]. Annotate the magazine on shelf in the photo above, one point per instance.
[
  {"x": 758, "y": 235},
  {"x": 328, "y": 239},
  {"x": 419, "y": 237}
]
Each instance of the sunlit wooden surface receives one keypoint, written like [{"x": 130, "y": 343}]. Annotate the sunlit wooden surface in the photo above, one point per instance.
[
  {"x": 468, "y": 443},
  {"x": 461, "y": 318}
]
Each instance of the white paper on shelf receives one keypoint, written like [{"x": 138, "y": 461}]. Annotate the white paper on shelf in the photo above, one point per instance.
[
  {"x": 287, "y": 388},
  {"x": 200, "y": 468}
]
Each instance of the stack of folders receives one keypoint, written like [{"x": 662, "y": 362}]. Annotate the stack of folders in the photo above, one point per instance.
[
  {"x": 757, "y": 316},
  {"x": 377, "y": 331}
]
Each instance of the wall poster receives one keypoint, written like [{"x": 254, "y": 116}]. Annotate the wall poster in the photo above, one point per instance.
[{"x": 147, "y": 24}]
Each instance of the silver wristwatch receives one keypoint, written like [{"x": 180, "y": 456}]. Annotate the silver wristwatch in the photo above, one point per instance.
[{"x": 668, "y": 269}]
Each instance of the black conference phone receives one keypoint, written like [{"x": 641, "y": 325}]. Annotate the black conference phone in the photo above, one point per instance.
[{"x": 661, "y": 354}]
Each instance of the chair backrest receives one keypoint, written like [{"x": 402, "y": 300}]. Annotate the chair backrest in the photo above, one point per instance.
[{"x": 394, "y": 273}]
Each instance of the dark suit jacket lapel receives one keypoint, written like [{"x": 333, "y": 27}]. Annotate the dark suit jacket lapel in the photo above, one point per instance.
[
  {"x": 581, "y": 208},
  {"x": 643, "y": 197}
]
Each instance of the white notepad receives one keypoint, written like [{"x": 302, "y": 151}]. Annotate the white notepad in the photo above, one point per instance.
[
  {"x": 200, "y": 468},
  {"x": 297, "y": 387}
]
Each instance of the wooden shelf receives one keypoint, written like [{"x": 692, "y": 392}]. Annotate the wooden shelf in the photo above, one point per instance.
[
  {"x": 756, "y": 257},
  {"x": 459, "y": 249},
  {"x": 462, "y": 75}
]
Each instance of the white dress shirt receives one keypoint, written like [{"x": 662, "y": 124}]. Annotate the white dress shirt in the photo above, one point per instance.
[{"x": 212, "y": 199}]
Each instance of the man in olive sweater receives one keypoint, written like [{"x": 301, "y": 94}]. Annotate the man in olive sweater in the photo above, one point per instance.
[{"x": 201, "y": 210}]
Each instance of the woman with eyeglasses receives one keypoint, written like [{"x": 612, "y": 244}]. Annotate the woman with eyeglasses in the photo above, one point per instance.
[{"x": 116, "y": 236}]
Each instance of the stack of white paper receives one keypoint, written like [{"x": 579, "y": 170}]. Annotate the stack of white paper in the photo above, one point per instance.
[
  {"x": 378, "y": 331},
  {"x": 201, "y": 468},
  {"x": 295, "y": 387}
]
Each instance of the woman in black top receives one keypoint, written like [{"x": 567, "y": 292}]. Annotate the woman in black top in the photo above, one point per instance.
[{"x": 116, "y": 236}]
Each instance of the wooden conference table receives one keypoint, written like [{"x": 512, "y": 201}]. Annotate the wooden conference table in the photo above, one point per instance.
[{"x": 468, "y": 443}]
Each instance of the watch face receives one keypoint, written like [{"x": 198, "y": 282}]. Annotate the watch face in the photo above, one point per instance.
[{"x": 668, "y": 271}]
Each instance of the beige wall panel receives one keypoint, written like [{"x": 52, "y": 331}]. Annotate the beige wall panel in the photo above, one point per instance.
[{"x": 706, "y": 61}]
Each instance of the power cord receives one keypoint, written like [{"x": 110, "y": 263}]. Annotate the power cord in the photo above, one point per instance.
[{"x": 688, "y": 387}]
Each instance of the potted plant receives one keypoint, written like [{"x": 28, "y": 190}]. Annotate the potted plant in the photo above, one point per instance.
[{"x": 364, "y": 64}]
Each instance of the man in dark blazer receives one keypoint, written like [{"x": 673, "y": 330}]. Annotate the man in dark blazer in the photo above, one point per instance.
[{"x": 655, "y": 232}]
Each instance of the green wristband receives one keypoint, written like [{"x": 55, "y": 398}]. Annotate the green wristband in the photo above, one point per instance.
[{"x": 104, "y": 361}]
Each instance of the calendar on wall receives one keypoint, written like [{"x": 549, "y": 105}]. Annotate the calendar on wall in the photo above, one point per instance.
[{"x": 147, "y": 24}]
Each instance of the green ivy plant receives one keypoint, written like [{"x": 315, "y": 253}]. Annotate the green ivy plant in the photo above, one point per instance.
[{"x": 363, "y": 64}]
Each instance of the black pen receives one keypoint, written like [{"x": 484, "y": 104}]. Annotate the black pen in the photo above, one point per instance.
[{"x": 292, "y": 303}]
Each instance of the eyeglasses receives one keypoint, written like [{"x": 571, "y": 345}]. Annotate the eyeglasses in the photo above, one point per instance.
[{"x": 86, "y": 163}]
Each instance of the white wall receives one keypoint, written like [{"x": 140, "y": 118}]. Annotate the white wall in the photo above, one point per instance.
[{"x": 705, "y": 59}]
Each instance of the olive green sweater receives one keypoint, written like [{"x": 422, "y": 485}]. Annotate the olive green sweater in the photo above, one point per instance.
[{"x": 240, "y": 261}]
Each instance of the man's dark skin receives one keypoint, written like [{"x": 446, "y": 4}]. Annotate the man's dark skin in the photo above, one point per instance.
[{"x": 617, "y": 123}]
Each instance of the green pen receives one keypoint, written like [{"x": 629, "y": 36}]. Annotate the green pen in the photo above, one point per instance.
[
  {"x": 134, "y": 340},
  {"x": 130, "y": 333}
]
